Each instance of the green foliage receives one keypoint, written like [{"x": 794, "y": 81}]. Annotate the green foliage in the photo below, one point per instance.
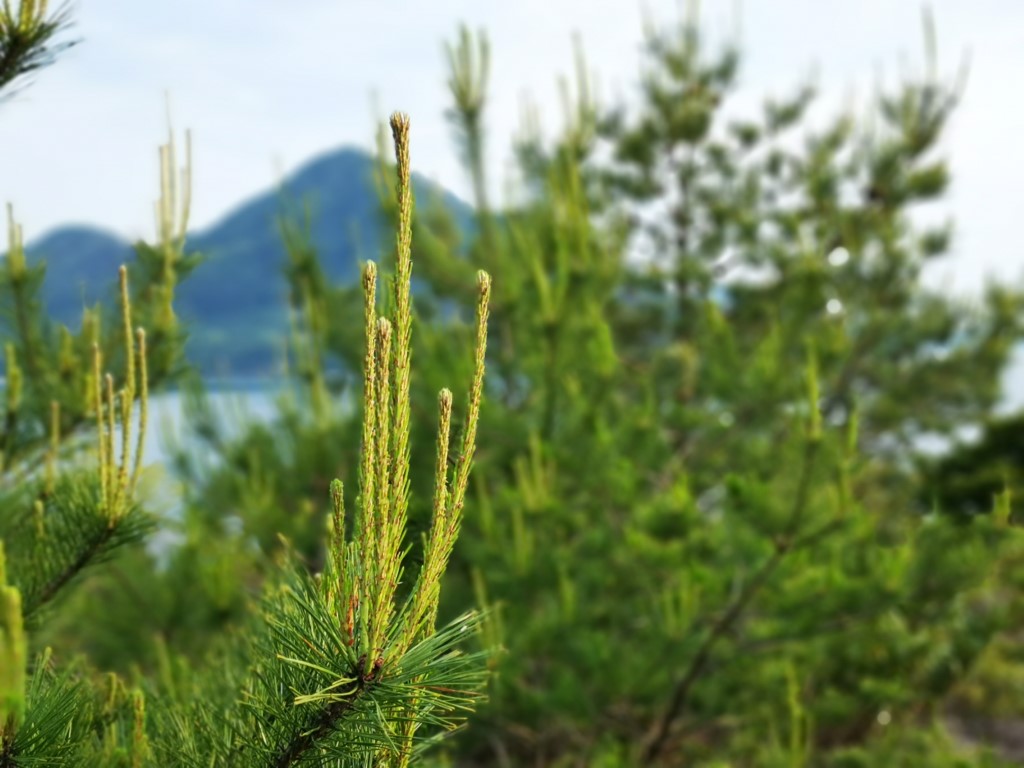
[
  {"x": 432, "y": 685},
  {"x": 27, "y": 33},
  {"x": 973, "y": 477},
  {"x": 13, "y": 649},
  {"x": 699, "y": 525},
  {"x": 338, "y": 668}
]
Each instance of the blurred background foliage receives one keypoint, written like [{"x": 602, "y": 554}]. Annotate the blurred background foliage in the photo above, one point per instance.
[{"x": 702, "y": 520}]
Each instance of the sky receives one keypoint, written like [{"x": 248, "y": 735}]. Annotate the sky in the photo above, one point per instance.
[{"x": 265, "y": 86}]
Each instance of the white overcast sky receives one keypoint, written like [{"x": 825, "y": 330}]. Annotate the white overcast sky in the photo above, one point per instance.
[{"x": 265, "y": 84}]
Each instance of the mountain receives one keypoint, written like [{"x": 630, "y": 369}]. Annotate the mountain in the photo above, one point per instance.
[
  {"x": 82, "y": 264},
  {"x": 234, "y": 303}
]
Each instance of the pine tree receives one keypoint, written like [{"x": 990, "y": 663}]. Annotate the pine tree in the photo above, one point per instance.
[
  {"x": 724, "y": 461},
  {"x": 345, "y": 666}
]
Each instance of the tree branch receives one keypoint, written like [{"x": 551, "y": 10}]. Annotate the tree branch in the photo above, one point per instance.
[{"x": 698, "y": 664}]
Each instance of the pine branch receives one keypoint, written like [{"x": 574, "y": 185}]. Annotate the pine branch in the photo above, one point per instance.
[
  {"x": 57, "y": 720},
  {"x": 335, "y": 708},
  {"x": 26, "y": 38},
  {"x": 83, "y": 518},
  {"x": 76, "y": 536},
  {"x": 327, "y": 721},
  {"x": 86, "y": 555},
  {"x": 698, "y": 664}
]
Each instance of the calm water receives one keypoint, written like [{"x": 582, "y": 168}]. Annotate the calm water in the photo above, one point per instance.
[
  {"x": 239, "y": 402},
  {"x": 235, "y": 405}
]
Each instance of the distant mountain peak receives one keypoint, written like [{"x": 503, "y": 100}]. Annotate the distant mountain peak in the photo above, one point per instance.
[{"x": 234, "y": 303}]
